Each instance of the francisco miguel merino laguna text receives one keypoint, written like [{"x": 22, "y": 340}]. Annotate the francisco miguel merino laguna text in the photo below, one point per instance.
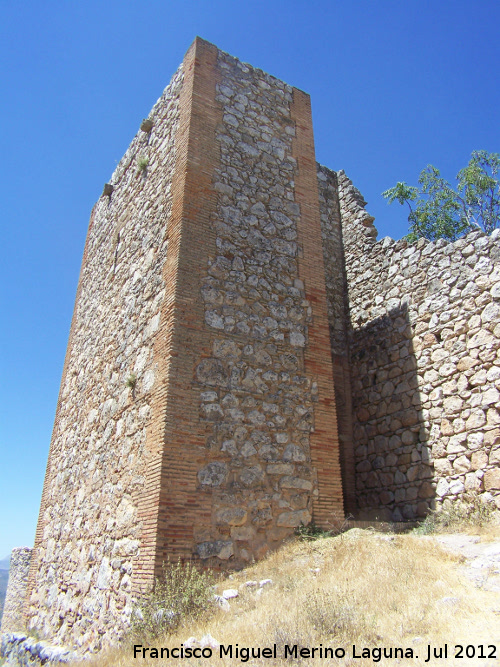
[{"x": 245, "y": 653}]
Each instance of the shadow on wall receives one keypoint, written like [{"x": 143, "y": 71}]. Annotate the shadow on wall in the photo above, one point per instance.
[{"x": 394, "y": 473}]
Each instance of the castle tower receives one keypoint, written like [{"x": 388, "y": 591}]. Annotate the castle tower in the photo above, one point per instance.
[{"x": 196, "y": 416}]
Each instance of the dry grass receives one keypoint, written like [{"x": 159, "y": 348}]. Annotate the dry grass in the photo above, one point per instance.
[
  {"x": 468, "y": 515},
  {"x": 359, "y": 588}
]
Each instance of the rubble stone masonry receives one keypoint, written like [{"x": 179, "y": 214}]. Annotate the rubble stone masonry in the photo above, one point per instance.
[
  {"x": 425, "y": 366},
  {"x": 91, "y": 520},
  {"x": 12, "y": 617}
]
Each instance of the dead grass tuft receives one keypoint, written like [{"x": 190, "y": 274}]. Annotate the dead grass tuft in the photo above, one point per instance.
[{"x": 468, "y": 514}]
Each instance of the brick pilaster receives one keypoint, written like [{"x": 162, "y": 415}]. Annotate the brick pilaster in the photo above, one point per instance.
[
  {"x": 173, "y": 504},
  {"x": 328, "y": 505}
]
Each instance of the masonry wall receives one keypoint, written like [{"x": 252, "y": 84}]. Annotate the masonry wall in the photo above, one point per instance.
[
  {"x": 197, "y": 410},
  {"x": 91, "y": 525},
  {"x": 13, "y": 612},
  {"x": 425, "y": 366},
  {"x": 266, "y": 392}
]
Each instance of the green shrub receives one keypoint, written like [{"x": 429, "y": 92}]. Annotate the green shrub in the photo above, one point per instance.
[
  {"x": 312, "y": 532},
  {"x": 181, "y": 593}
]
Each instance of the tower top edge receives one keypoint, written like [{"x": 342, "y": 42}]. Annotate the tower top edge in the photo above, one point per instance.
[{"x": 200, "y": 43}]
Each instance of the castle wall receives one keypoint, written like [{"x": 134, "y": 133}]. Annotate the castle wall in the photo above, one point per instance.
[
  {"x": 13, "y": 612},
  {"x": 90, "y": 525},
  {"x": 197, "y": 415},
  {"x": 425, "y": 366}
]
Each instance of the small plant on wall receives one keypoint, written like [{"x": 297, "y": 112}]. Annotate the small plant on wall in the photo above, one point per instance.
[
  {"x": 142, "y": 164},
  {"x": 132, "y": 383}
]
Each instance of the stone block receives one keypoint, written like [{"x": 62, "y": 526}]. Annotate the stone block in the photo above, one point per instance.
[
  {"x": 494, "y": 459},
  {"x": 442, "y": 467},
  {"x": 252, "y": 476},
  {"x": 386, "y": 479},
  {"x": 294, "y": 519},
  {"x": 426, "y": 490},
  {"x": 447, "y": 427},
  {"x": 456, "y": 444},
  {"x": 492, "y": 437},
  {"x": 461, "y": 464},
  {"x": 243, "y": 533},
  {"x": 290, "y": 482},
  {"x": 480, "y": 339},
  {"x": 479, "y": 460},
  {"x": 409, "y": 418},
  {"x": 443, "y": 488},
  {"x": 413, "y": 473},
  {"x": 408, "y": 437},
  {"x": 490, "y": 397},
  {"x": 386, "y": 497},
  {"x": 294, "y": 453},
  {"x": 452, "y": 405},
  {"x": 400, "y": 477},
  {"x": 364, "y": 466},
  {"x": 493, "y": 417},
  {"x": 391, "y": 459},
  {"x": 372, "y": 480},
  {"x": 472, "y": 483},
  {"x": 233, "y": 516},
  {"x": 214, "y": 474},
  {"x": 456, "y": 487},
  {"x": 222, "y": 549},
  {"x": 492, "y": 480},
  {"x": 411, "y": 493},
  {"x": 475, "y": 440},
  {"x": 422, "y": 509}
]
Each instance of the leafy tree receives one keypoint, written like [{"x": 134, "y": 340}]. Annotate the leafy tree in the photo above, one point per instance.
[{"x": 439, "y": 211}]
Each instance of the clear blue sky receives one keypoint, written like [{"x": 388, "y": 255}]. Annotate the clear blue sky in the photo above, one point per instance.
[{"x": 394, "y": 86}]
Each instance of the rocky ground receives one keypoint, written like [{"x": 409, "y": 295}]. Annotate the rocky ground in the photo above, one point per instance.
[{"x": 481, "y": 560}]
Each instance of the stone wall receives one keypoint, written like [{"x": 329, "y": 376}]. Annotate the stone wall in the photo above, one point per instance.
[
  {"x": 13, "y": 613},
  {"x": 20, "y": 650},
  {"x": 89, "y": 530},
  {"x": 252, "y": 304},
  {"x": 197, "y": 415},
  {"x": 255, "y": 389},
  {"x": 425, "y": 366}
]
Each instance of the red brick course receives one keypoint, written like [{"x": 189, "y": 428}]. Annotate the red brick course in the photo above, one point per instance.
[
  {"x": 174, "y": 505},
  {"x": 328, "y": 506}
]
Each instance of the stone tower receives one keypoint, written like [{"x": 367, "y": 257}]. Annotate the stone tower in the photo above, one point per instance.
[{"x": 196, "y": 416}]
